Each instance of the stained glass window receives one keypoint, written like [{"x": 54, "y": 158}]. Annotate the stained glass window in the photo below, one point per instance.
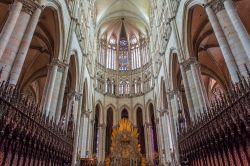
[{"x": 123, "y": 55}]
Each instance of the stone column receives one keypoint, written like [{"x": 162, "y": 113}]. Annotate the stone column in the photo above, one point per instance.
[
  {"x": 231, "y": 36},
  {"x": 104, "y": 142},
  {"x": 75, "y": 154},
  {"x": 61, "y": 94},
  {"x": 146, "y": 141},
  {"x": 170, "y": 133},
  {"x": 161, "y": 135},
  {"x": 80, "y": 138},
  {"x": 24, "y": 47},
  {"x": 193, "y": 92},
  {"x": 173, "y": 104},
  {"x": 172, "y": 119},
  {"x": 9, "y": 25},
  {"x": 148, "y": 131},
  {"x": 45, "y": 89},
  {"x": 11, "y": 49},
  {"x": 71, "y": 99},
  {"x": 187, "y": 92},
  {"x": 101, "y": 141},
  {"x": 84, "y": 134},
  {"x": 51, "y": 83},
  {"x": 180, "y": 106},
  {"x": 224, "y": 46},
  {"x": 198, "y": 85},
  {"x": 91, "y": 133},
  {"x": 56, "y": 90},
  {"x": 238, "y": 26},
  {"x": 166, "y": 135},
  {"x": 198, "y": 93},
  {"x": 52, "y": 95}
]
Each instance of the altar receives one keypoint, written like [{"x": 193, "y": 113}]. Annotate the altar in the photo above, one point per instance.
[{"x": 125, "y": 149}]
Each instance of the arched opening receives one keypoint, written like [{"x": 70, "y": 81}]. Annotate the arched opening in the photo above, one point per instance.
[
  {"x": 124, "y": 113},
  {"x": 95, "y": 135},
  {"x": 203, "y": 45},
  {"x": 109, "y": 131},
  {"x": 153, "y": 129},
  {"x": 140, "y": 126},
  {"x": 43, "y": 49},
  {"x": 70, "y": 88}
]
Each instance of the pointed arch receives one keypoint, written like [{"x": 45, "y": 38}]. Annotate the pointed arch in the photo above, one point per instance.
[
  {"x": 60, "y": 36},
  {"x": 140, "y": 126},
  {"x": 109, "y": 127},
  {"x": 154, "y": 127}
]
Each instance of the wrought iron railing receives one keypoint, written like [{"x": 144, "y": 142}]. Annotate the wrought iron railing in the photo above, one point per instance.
[
  {"x": 27, "y": 137},
  {"x": 221, "y": 135}
]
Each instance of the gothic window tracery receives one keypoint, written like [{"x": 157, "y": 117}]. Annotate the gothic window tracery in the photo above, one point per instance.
[
  {"x": 127, "y": 87},
  {"x": 123, "y": 56},
  {"x": 121, "y": 88}
]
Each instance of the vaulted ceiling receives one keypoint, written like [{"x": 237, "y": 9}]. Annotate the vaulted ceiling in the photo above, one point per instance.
[{"x": 111, "y": 14}]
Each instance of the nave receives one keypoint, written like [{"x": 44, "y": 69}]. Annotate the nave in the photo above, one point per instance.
[{"x": 124, "y": 82}]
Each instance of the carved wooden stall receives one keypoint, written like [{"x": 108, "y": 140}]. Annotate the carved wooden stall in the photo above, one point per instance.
[
  {"x": 27, "y": 137},
  {"x": 221, "y": 135}
]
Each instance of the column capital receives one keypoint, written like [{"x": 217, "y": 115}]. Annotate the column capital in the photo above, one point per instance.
[
  {"x": 103, "y": 125},
  {"x": 29, "y": 6},
  {"x": 163, "y": 111},
  {"x": 187, "y": 63},
  {"x": 147, "y": 124},
  {"x": 216, "y": 5},
  {"x": 172, "y": 93},
  {"x": 87, "y": 113},
  {"x": 58, "y": 63},
  {"x": 71, "y": 94},
  {"x": 76, "y": 95}
]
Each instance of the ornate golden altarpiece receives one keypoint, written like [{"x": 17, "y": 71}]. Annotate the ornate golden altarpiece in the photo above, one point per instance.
[{"x": 125, "y": 149}]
